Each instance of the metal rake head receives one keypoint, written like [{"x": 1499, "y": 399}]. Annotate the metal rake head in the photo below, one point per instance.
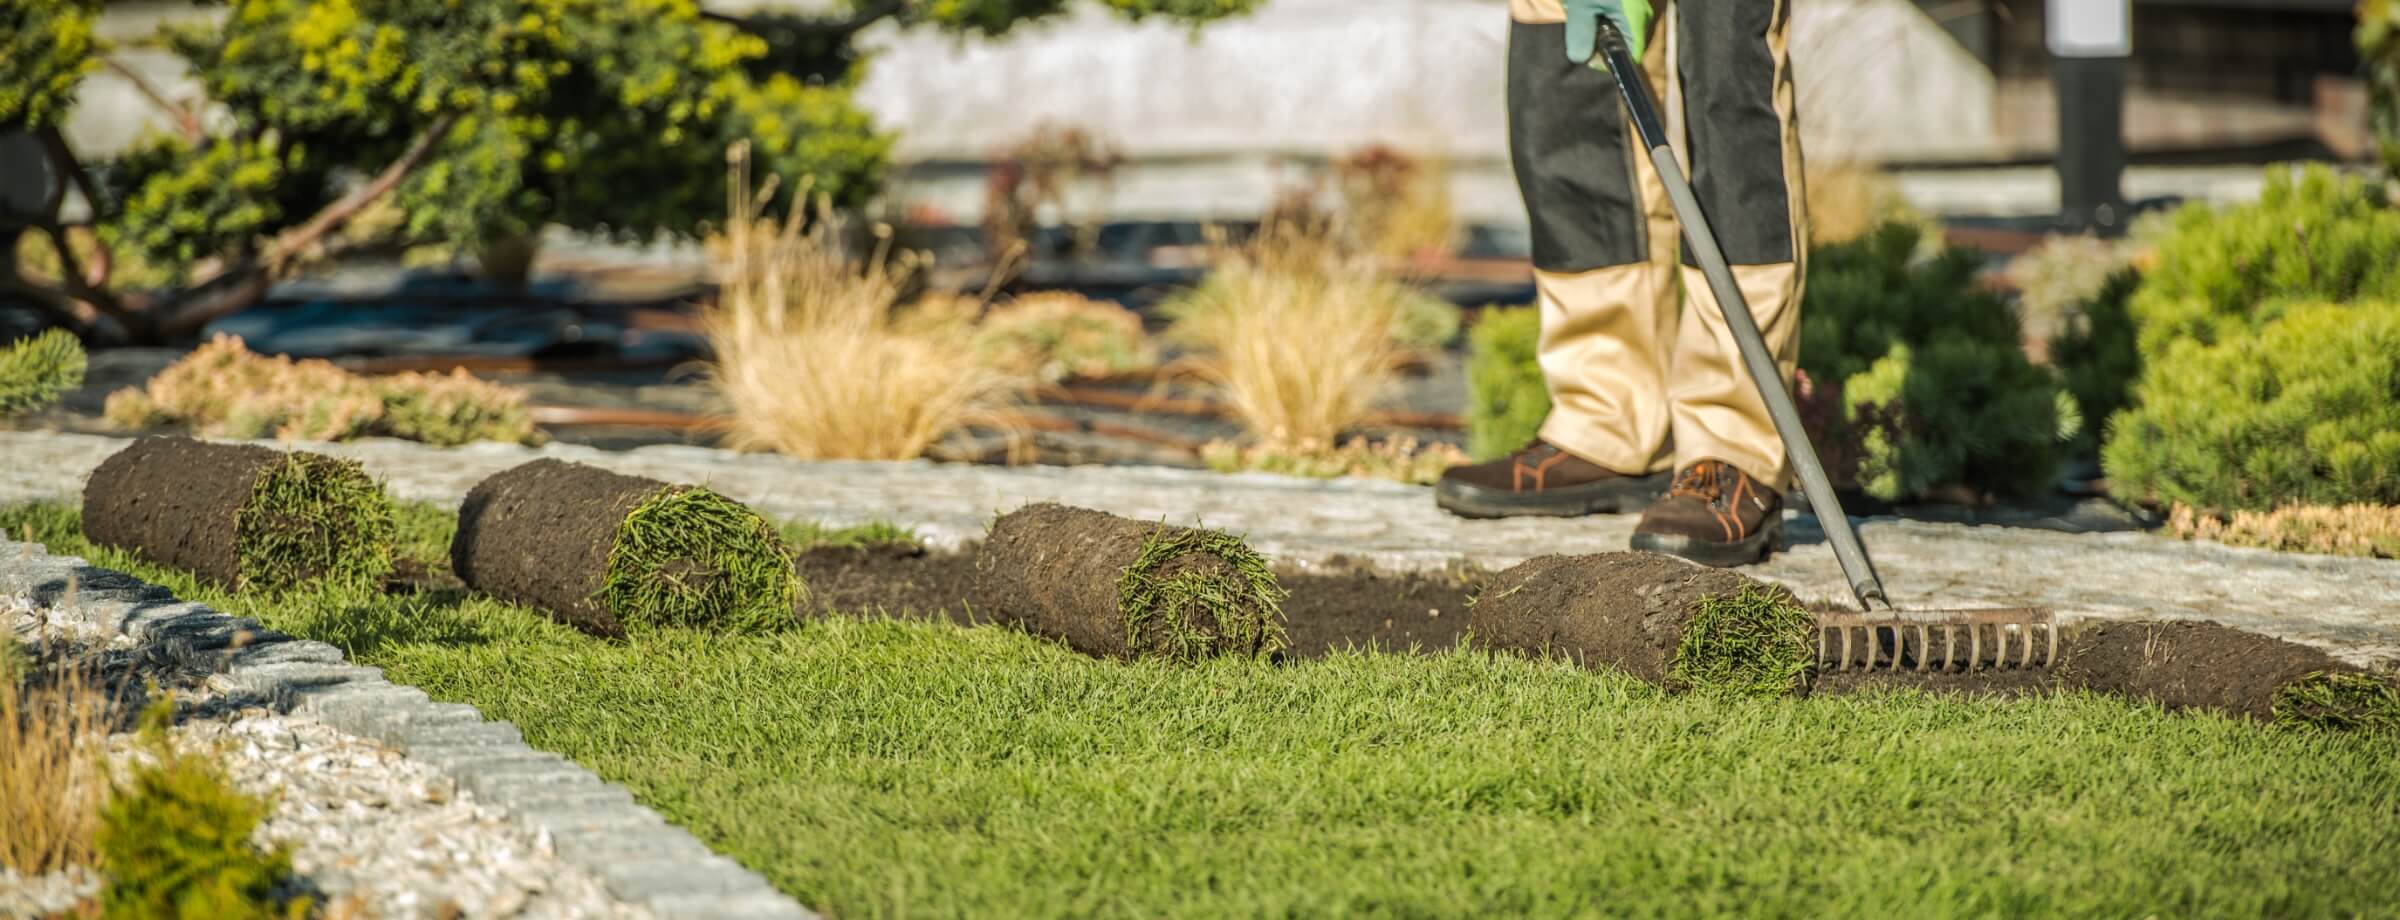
[{"x": 1938, "y": 640}]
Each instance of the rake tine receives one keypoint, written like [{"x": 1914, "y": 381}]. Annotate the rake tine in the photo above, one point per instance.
[
  {"x": 1845, "y": 664},
  {"x": 2027, "y": 661},
  {"x": 1874, "y": 638},
  {"x": 2050, "y": 659},
  {"x": 1949, "y": 645},
  {"x": 1924, "y": 645},
  {"x": 1822, "y": 644},
  {"x": 1974, "y": 648}
]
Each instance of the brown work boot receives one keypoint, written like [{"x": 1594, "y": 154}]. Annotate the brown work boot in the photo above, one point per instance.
[
  {"x": 1541, "y": 480},
  {"x": 1714, "y": 515}
]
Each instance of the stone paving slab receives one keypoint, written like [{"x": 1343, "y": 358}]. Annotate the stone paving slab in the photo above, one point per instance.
[{"x": 2350, "y": 607}]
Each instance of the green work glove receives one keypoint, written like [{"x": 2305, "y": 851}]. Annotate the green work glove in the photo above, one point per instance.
[{"x": 1583, "y": 27}]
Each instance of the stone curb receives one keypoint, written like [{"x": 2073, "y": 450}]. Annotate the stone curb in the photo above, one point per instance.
[{"x": 592, "y": 824}]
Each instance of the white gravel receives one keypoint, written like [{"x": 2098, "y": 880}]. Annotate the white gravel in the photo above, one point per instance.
[{"x": 371, "y": 831}]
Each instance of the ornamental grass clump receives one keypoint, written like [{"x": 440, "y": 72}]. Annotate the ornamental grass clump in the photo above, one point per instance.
[
  {"x": 1297, "y": 333},
  {"x": 613, "y": 555},
  {"x": 36, "y": 371},
  {"x": 244, "y": 516},
  {"x": 813, "y": 354},
  {"x": 54, "y": 723},
  {"x": 2343, "y": 530}
]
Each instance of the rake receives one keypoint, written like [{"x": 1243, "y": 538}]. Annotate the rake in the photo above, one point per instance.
[{"x": 1869, "y": 638}]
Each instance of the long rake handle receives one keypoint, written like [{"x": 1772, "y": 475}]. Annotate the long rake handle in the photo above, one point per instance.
[{"x": 1763, "y": 373}]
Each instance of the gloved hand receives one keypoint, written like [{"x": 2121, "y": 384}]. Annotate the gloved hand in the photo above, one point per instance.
[{"x": 1583, "y": 27}]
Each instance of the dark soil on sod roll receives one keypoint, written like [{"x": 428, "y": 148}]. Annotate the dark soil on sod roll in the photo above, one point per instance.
[
  {"x": 1323, "y": 612},
  {"x": 240, "y": 515},
  {"x": 607, "y": 553},
  {"x": 1663, "y": 620},
  {"x": 1120, "y": 588},
  {"x": 2190, "y": 665}
]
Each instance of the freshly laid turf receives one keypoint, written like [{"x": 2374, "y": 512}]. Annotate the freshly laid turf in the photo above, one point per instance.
[{"x": 878, "y": 767}]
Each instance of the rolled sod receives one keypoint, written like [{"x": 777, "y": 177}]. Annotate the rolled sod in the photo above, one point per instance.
[
  {"x": 609, "y": 554},
  {"x": 2198, "y": 665},
  {"x": 1666, "y": 621},
  {"x": 240, "y": 515},
  {"x": 1120, "y": 588}
]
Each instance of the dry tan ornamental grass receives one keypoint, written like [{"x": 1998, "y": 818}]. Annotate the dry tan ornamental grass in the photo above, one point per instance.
[
  {"x": 810, "y": 355},
  {"x": 1297, "y": 333},
  {"x": 53, "y": 725},
  {"x": 2347, "y": 530}
]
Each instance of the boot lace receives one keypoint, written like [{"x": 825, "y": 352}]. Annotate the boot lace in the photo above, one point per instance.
[{"x": 1702, "y": 480}]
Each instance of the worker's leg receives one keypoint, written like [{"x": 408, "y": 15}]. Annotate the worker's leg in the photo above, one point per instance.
[
  {"x": 1744, "y": 151},
  {"x": 1603, "y": 256},
  {"x": 1733, "y": 89}
]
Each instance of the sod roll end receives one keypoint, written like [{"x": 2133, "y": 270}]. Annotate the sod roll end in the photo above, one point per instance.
[
  {"x": 1120, "y": 588},
  {"x": 611, "y": 554},
  {"x": 1666, "y": 621},
  {"x": 241, "y": 515}
]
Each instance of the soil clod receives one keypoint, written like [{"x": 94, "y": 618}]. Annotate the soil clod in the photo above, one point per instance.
[{"x": 241, "y": 515}]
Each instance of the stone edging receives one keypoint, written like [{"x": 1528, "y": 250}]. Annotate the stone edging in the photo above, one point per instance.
[{"x": 592, "y": 824}]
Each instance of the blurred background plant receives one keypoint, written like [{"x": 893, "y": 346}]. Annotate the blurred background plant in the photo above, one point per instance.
[
  {"x": 1400, "y": 459},
  {"x": 1396, "y": 206},
  {"x": 36, "y": 371},
  {"x": 1057, "y": 335},
  {"x": 1056, "y": 174},
  {"x": 1297, "y": 332},
  {"x": 224, "y": 390},
  {"x": 482, "y": 120},
  {"x": 814, "y": 355}
]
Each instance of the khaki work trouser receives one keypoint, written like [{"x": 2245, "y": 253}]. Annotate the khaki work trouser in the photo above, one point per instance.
[{"x": 1643, "y": 374}]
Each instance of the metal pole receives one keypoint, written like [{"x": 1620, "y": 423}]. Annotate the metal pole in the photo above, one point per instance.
[{"x": 1764, "y": 375}]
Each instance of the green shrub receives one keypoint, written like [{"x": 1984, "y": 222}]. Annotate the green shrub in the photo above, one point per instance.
[
  {"x": 2379, "y": 56},
  {"x": 2303, "y": 410},
  {"x": 35, "y": 372},
  {"x": 1507, "y": 397},
  {"x": 2095, "y": 357},
  {"x": 1935, "y": 389},
  {"x": 175, "y": 842},
  {"x": 2312, "y": 237},
  {"x": 1957, "y": 412}
]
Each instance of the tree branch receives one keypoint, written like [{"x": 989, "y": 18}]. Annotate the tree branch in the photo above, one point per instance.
[
  {"x": 291, "y": 242},
  {"x": 103, "y": 261},
  {"x": 248, "y": 280},
  {"x": 76, "y": 282},
  {"x": 186, "y": 121},
  {"x": 48, "y": 302}
]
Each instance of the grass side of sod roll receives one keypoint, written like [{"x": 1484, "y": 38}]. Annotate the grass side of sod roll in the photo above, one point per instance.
[
  {"x": 689, "y": 557},
  {"x": 874, "y": 767},
  {"x": 313, "y": 516}
]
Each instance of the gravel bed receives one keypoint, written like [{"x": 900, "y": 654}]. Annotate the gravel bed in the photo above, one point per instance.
[
  {"x": 394, "y": 805},
  {"x": 369, "y": 829}
]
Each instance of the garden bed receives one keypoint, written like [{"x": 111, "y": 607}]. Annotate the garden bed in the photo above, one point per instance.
[{"x": 879, "y": 765}]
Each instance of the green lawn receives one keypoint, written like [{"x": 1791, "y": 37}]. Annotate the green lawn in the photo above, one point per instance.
[{"x": 873, "y": 767}]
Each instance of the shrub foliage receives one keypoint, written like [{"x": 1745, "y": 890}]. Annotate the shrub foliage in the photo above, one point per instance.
[
  {"x": 478, "y": 118},
  {"x": 1507, "y": 397},
  {"x": 2267, "y": 336},
  {"x": 175, "y": 842},
  {"x": 1935, "y": 389},
  {"x": 2304, "y": 410},
  {"x": 35, "y": 372}
]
